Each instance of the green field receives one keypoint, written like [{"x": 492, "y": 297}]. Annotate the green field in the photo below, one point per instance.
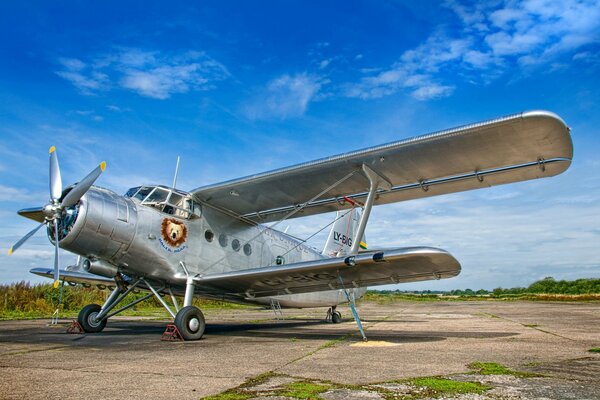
[{"x": 23, "y": 300}]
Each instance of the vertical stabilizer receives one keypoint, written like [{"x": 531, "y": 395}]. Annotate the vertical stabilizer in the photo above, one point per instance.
[{"x": 342, "y": 234}]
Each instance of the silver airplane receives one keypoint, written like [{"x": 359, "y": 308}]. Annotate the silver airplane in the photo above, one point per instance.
[{"x": 212, "y": 242}]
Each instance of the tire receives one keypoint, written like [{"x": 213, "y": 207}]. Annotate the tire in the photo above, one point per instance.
[
  {"x": 190, "y": 323},
  {"x": 86, "y": 319},
  {"x": 336, "y": 317}
]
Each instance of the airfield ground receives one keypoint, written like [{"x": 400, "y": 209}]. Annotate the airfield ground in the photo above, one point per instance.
[{"x": 250, "y": 354}]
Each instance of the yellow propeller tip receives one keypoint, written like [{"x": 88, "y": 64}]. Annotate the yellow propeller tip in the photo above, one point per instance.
[
  {"x": 103, "y": 166},
  {"x": 10, "y": 251},
  {"x": 55, "y": 284},
  {"x": 52, "y": 149}
]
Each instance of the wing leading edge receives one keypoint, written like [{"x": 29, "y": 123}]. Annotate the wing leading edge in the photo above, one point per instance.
[
  {"x": 515, "y": 148},
  {"x": 393, "y": 266}
]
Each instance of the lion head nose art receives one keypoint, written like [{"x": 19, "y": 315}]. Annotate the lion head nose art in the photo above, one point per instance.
[{"x": 174, "y": 232}]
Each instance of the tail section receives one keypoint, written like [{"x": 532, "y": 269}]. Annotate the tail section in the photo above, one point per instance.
[{"x": 343, "y": 233}]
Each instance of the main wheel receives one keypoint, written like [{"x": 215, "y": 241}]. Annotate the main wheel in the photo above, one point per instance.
[
  {"x": 87, "y": 319},
  {"x": 336, "y": 317},
  {"x": 190, "y": 323}
]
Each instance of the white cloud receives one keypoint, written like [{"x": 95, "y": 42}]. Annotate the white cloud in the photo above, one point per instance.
[
  {"x": 493, "y": 36},
  {"x": 284, "y": 97},
  {"x": 82, "y": 76},
  {"x": 324, "y": 63},
  {"x": 432, "y": 91},
  {"x": 8, "y": 193},
  {"x": 148, "y": 73}
]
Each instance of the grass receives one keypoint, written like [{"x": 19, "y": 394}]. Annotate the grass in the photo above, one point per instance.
[
  {"x": 437, "y": 387},
  {"x": 386, "y": 298},
  {"x": 483, "y": 368},
  {"x": 230, "y": 395},
  {"x": 594, "y": 350},
  {"x": 304, "y": 390},
  {"x": 420, "y": 388},
  {"x": 23, "y": 300}
]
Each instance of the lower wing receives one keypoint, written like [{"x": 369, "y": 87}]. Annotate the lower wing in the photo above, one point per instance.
[{"x": 409, "y": 264}]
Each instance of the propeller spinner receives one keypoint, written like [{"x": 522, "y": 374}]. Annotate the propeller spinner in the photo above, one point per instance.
[{"x": 54, "y": 212}]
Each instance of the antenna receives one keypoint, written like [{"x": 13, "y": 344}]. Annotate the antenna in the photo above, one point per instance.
[{"x": 176, "y": 172}]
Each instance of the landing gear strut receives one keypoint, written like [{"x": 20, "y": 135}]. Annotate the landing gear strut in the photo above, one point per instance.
[
  {"x": 189, "y": 320},
  {"x": 333, "y": 315}
]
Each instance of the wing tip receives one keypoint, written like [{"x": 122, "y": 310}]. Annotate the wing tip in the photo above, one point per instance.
[{"x": 544, "y": 114}]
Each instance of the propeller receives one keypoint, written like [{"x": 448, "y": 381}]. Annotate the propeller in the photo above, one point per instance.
[{"x": 55, "y": 210}]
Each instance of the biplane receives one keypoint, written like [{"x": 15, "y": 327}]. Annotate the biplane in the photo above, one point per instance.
[{"x": 220, "y": 241}]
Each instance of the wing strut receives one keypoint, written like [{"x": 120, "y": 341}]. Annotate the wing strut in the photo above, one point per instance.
[
  {"x": 376, "y": 181},
  {"x": 352, "y": 303}
]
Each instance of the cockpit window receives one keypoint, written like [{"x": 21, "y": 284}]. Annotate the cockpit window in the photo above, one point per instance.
[
  {"x": 132, "y": 191},
  {"x": 143, "y": 192},
  {"x": 157, "y": 196},
  {"x": 168, "y": 201},
  {"x": 176, "y": 199}
]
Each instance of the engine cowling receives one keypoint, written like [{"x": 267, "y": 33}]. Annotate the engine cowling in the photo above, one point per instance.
[{"x": 102, "y": 226}]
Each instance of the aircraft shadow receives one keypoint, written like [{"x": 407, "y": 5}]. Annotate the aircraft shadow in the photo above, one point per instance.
[{"x": 285, "y": 329}]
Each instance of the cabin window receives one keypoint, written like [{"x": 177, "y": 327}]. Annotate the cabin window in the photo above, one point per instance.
[
  {"x": 279, "y": 260},
  {"x": 235, "y": 244},
  {"x": 223, "y": 240},
  {"x": 209, "y": 235},
  {"x": 247, "y": 249}
]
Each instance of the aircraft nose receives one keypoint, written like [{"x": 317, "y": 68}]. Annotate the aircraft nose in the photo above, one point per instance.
[{"x": 105, "y": 227}]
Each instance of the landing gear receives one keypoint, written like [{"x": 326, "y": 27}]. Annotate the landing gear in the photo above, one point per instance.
[
  {"x": 190, "y": 323},
  {"x": 336, "y": 317},
  {"x": 333, "y": 315},
  {"x": 87, "y": 319}
]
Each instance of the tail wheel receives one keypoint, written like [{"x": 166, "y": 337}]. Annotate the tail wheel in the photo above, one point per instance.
[
  {"x": 336, "y": 317},
  {"x": 190, "y": 323},
  {"x": 87, "y": 319}
]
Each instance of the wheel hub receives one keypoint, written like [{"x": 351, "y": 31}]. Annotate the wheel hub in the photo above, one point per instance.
[
  {"x": 194, "y": 324},
  {"x": 92, "y": 319}
]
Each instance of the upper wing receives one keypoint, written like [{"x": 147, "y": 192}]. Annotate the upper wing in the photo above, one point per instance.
[
  {"x": 366, "y": 269},
  {"x": 515, "y": 148}
]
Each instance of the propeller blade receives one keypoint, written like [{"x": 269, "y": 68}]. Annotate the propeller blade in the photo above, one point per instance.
[
  {"x": 79, "y": 190},
  {"x": 36, "y": 214},
  {"x": 24, "y": 239},
  {"x": 55, "y": 253},
  {"x": 55, "y": 180}
]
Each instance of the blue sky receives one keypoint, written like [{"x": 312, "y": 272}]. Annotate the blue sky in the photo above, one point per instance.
[{"x": 236, "y": 88}]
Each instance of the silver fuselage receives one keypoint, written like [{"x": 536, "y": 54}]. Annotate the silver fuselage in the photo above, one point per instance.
[{"x": 119, "y": 233}]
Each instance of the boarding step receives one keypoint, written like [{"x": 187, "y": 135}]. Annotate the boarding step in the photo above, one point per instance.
[{"x": 276, "y": 307}]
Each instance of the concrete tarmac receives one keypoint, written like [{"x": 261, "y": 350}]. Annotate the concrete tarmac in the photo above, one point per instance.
[{"x": 406, "y": 339}]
